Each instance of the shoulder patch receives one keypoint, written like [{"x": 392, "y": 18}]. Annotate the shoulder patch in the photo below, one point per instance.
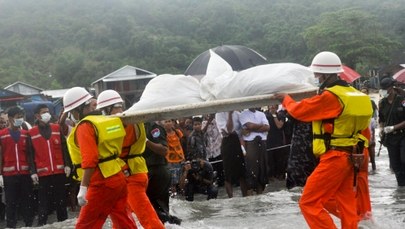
[{"x": 155, "y": 133}]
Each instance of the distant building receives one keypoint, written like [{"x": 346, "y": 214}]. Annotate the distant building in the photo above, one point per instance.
[
  {"x": 54, "y": 94},
  {"x": 24, "y": 88},
  {"x": 9, "y": 98},
  {"x": 32, "y": 97},
  {"x": 128, "y": 81}
]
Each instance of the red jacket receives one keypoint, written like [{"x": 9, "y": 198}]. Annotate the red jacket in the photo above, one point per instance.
[
  {"x": 15, "y": 161},
  {"x": 48, "y": 152}
]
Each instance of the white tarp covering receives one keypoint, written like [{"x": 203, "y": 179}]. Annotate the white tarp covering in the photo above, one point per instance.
[
  {"x": 223, "y": 83},
  {"x": 169, "y": 90}
]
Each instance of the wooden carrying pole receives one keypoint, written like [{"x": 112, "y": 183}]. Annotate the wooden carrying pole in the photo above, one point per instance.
[{"x": 208, "y": 107}]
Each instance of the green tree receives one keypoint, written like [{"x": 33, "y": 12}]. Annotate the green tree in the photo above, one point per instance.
[{"x": 354, "y": 35}]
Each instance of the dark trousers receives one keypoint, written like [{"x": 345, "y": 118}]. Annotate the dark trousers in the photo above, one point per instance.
[
  {"x": 158, "y": 190},
  {"x": 218, "y": 166},
  {"x": 2, "y": 206},
  {"x": 18, "y": 192},
  {"x": 51, "y": 193},
  {"x": 277, "y": 162},
  {"x": 194, "y": 187},
  {"x": 396, "y": 151},
  {"x": 255, "y": 159}
]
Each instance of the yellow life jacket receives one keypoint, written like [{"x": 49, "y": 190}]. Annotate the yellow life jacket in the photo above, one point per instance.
[
  {"x": 110, "y": 134},
  {"x": 136, "y": 162},
  {"x": 345, "y": 129}
]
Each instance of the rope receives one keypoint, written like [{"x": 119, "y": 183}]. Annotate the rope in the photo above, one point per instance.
[{"x": 274, "y": 148}]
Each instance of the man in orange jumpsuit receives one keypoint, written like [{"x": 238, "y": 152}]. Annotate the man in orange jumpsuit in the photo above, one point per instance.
[
  {"x": 338, "y": 114},
  {"x": 110, "y": 103},
  {"x": 94, "y": 145}
]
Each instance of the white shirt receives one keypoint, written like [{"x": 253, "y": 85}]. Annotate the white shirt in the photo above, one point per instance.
[
  {"x": 222, "y": 119},
  {"x": 256, "y": 117}
]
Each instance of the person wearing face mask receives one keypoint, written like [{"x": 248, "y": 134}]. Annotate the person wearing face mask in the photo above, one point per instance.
[
  {"x": 340, "y": 114},
  {"x": 49, "y": 151},
  {"x": 95, "y": 144},
  {"x": 392, "y": 123},
  {"x": 15, "y": 169},
  {"x": 111, "y": 103}
]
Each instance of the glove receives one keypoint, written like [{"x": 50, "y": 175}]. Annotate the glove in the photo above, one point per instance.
[
  {"x": 81, "y": 197},
  {"x": 1, "y": 181},
  {"x": 67, "y": 171},
  {"x": 388, "y": 129},
  {"x": 35, "y": 179}
]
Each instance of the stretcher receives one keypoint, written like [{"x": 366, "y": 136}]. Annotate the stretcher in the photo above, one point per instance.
[{"x": 208, "y": 107}]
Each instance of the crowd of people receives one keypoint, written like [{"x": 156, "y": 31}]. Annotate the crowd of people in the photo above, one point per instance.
[{"x": 91, "y": 160}]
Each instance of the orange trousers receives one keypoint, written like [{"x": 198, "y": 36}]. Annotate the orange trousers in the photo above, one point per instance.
[
  {"x": 106, "y": 197},
  {"x": 362, "y": 195},
  {"x": 139, "y": 202},
  {"x": 332, "y": 178}
]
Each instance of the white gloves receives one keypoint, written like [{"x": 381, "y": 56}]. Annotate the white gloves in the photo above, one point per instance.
[
  {"x": 81, "y": 197},
  {"x": 35, "y": 179},
  {"x": 1, "y": 181},
  {"x": 388, "y": 129},
  {"x": 67, "y": 171}
]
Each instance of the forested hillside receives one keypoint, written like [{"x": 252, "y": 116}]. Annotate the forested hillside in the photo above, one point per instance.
[{"x": 59, "y": 44}]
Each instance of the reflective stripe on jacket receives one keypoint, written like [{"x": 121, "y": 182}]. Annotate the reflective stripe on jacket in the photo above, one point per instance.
[
  {"x": 14, "y": 153},
  {"x": 48, "y": 152},
  {"x": 110, "y": 134}
]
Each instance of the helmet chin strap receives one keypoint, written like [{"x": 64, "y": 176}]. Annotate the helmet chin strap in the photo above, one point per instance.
[
  {"x": 80, "y": 110},
  {"x": 329, "y": 79}
]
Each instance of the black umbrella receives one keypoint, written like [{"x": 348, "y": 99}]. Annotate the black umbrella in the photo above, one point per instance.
[{"x": 238, "y": 57}]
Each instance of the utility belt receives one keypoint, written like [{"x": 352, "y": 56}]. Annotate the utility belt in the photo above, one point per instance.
[
  {"x": 347, "y": 149},
  {"x": 129, "y": 156},
  {"x": 78, "y": 166},
  {"x": 356, "y": 157}
]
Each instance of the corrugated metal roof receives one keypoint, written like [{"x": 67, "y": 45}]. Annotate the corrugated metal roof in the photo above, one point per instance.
[
  {"x": 126, "y": 73},
  {"x": 58, "y": 93}
]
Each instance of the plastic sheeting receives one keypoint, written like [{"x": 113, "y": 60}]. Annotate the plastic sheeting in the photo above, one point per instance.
[
  {"x": 223, "y": 83},
  {"x": 169, "y": 90}
]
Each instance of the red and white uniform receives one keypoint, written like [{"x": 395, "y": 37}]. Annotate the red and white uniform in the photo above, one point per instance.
[
  {"x": 15, "y": 161},
  {"x": 48, "y": 152}
]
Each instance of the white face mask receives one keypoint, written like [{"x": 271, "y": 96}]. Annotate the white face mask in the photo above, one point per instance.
[
  {"x": 18, "y": 122},
  {"x": 72, "y": 117},
  {"x": 45, "y": 117},
  {"x": 316, "y": 82},
  {"x": 383, "y": 93}
]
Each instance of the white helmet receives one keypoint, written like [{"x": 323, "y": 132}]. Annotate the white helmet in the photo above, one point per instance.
[
  {"x": 74, "y": 97},
  {"x": 326, "y": 62},
  {"x": 107, "y": 98}
]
